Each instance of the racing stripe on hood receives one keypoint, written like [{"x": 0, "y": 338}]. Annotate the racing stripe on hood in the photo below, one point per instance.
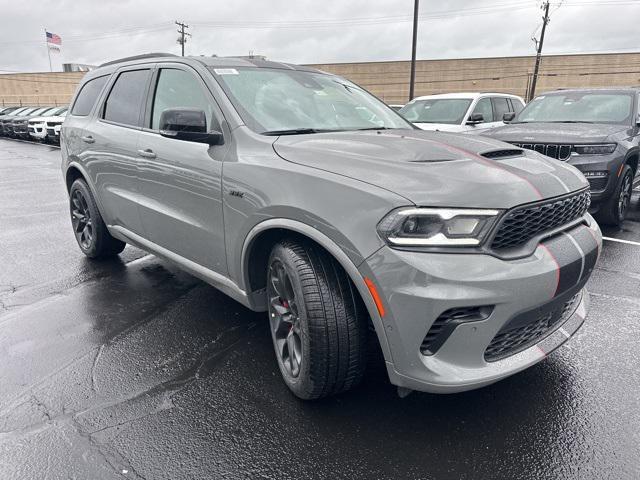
[
  {"x": 575, "y": 253},
  {"x": 548, "y": 176},
  {"x": 494, "y": 164}
]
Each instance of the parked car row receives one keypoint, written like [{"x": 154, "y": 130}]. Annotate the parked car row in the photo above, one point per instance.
[
  {"x": 36, "y": 123},
  {"x": 596, "y": 130}
]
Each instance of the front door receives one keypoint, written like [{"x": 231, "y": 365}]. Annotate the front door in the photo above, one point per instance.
[{"x": 179, "y": 181}]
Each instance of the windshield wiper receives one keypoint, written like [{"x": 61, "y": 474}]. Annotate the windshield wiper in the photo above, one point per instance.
[
  {"x": 296, "y": 131},
  {"x": 371, "y": 128},
  {"x": 568, "y": 121}
]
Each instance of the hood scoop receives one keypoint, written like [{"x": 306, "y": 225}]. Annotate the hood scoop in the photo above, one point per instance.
[{"x": 504, "y": 153}]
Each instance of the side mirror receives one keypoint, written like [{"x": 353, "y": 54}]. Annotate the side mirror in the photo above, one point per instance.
[
  {"x": 507, "y": 117},
  {"x": 188, "y": 124},
  {"x": 475, "y": 118}
]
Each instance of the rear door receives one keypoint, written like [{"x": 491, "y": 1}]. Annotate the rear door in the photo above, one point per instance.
[
  {"x": 111, "y": 142},
  {"x": 180, "y": 182}
]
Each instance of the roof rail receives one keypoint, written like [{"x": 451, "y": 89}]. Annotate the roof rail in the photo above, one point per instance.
[{"x": 138, "y": 57}]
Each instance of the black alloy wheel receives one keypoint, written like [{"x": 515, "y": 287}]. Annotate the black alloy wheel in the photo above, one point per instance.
[
  {"x": 285, "y": 319},
  {"x": 624, "y": 198},
  {"x": 81, "y": 220}
]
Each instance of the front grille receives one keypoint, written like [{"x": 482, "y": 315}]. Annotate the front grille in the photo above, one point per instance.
[
  {"x": 51, "y": 131},
  {"x": 447, "y": 322},
  {"x": 513, "y": 339},
  {"x": 598, "y": 183},
  {"x": 557, "y": 151},
  {"x": 524, "y": 223}
]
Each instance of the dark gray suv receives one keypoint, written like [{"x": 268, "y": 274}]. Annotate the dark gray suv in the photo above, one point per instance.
[
  {"x": 300, "y": 194},
  {"x": 596, "y": 130}
]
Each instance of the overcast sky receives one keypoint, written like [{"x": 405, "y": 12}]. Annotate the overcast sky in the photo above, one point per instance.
[{"x": 306, "y": 31}]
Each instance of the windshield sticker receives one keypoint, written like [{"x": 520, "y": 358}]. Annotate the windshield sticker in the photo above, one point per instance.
[{"x": 225, "y": 71}]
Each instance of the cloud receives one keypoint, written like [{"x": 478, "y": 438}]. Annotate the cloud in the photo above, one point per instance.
[{"x": 98, "y": 31}]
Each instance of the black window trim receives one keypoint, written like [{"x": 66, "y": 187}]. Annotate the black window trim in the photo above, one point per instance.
[
  {"x": 111, "y": 84},
  {"x": 96, "y": 101},
  {"x": 153, "y": 85}
]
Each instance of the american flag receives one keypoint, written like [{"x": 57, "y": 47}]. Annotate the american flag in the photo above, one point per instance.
[{"x": 53, "y": 38}]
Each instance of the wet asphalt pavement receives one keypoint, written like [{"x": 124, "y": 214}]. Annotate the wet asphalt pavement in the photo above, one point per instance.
[{"x": 133, "y": 369}]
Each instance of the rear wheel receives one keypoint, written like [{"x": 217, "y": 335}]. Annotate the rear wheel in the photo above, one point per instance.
[
  {"x": 614, "y": 210},
  {"x": 90, "y": 231},
  {"x": 318, "y": 322}
]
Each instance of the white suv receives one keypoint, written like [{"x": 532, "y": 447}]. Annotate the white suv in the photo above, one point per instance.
[
  {"x": 42, "y": 128},
  {"x": 461, "y": 112}
]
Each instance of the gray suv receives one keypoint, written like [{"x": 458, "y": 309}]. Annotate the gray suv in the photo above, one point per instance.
[
  {"x": 596, "y": 130},
  {"x": 299, "y": 194}
]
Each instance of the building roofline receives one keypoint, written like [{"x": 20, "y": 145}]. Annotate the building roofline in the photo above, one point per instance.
[{"x": 474, "y": 58}]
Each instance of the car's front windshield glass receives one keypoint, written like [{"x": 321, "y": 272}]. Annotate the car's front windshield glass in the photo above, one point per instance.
[
  {"x": 436, "y": 110},
  {"x": 292, "y": 101},
  {"x": 579, "y": 107}
]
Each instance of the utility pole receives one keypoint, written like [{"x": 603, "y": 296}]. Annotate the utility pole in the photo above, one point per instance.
[
  {"x": 182, "y": 39},
  {"x": 413, "y": 49},
  {"x": 545, "y": 20}
]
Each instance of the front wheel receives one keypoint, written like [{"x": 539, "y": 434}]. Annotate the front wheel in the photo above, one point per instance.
[
  {"x": 90, "y": 231},
  {"x": 318, "y": 321},
  {"x": 614, "y": 210}
]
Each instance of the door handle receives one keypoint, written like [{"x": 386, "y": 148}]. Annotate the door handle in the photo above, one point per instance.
[
  {"x": 148, "y": 153},
  {"x": 88, "y": 139}
]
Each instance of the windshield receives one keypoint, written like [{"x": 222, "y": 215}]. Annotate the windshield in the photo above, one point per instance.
[
  {"x": 436, "y": 110},
  {"x": 26, "y": 111},
  {"x": 291, "y": 101},
  {"x": 580, "y": 107}
]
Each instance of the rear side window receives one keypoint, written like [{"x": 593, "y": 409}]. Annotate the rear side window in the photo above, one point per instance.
[
  {"x": 125, "y": 99},
  {"x": 88, "y": 95},
  {"x": 484, "y": 107},
  {"x": 500, "y": 107},
  {"x": 516, "y": 105}
]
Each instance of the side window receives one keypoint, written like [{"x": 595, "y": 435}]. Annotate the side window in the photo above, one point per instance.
[
  {"x": 516, "y": 105},
  {"x": 176, "y": 89},
  {"x": 484, "y": 107},
  {"x": 500, "y": 107},
  {"x": 88, "y": 96},
  {"x": 125, "y": 99}
]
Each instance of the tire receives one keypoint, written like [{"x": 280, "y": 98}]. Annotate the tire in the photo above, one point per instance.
[
  {"x": 88, "y": 227},
  {"x": 317, "y": 320},
  {"x": 614, "y": 210}
]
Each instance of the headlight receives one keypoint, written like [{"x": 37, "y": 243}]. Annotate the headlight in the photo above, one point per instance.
[
  {"x": 437, "y": 227},
  {"x": 594, "y": 149}
]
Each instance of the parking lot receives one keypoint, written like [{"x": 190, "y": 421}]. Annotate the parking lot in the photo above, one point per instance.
[{"x": 134, "y": 369}]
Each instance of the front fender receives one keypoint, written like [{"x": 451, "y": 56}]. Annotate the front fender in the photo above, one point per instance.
[{"x": 334, "y": 249}]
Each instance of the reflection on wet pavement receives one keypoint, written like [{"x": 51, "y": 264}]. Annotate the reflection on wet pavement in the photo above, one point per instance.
[{"x": 134, "y": 369}]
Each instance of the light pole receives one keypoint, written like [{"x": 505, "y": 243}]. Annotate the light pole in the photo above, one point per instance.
[{"x": 412, "y": 82}]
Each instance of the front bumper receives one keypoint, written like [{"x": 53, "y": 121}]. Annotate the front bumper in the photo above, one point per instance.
[
  {"x": 601, "y": 187},
  {"x": 20, "y": 129},
  {"x": 37, "y": 131},
  {"x": 418, "y": 287}
]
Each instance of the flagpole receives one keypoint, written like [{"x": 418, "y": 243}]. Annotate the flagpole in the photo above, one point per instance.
[{"x": 46, "y": 42}]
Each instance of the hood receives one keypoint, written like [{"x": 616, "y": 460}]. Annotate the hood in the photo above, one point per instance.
[
  {"x": 435, "y": 168},
  {"x": 555, "y": 132},
  {"x": 441, "y": 127}
]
